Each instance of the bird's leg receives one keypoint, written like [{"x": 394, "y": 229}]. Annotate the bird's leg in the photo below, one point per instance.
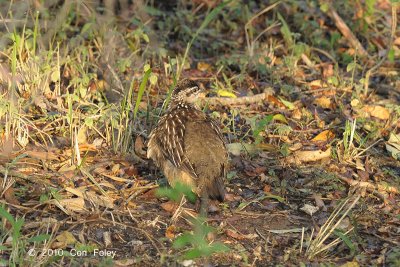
[{"x": 204, "y": 204}]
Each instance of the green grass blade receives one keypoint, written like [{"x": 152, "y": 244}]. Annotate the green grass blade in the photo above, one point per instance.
[
  {"x": 35, "y": 32},
  {"x": 142, "y": 87},
  {"x": 346, "y": 240},
  {"x": 5, "y": 214},
  {"x": 39, "y": 238},
  {"x": 285, "y": 30}
]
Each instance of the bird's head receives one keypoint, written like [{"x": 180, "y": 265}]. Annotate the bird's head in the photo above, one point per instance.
[{"x": 186, "y": 92}]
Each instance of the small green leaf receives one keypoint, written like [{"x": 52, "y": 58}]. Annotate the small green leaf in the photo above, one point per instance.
[
  {"x": 182, "y": 241},
  {"x": 230, "y": 175},
  {"x": 333, "y": 80},
  {"x": 242, "y": 205},
  {"x": 146, "y": 67},
  {"x": 324, "y": 7},
  {"x": 370, "y": 7},
  {"x": 152, "y": 11},
  {"x": 5, "y": 214},
  {"x": 351, "y": 66},
  {"x": 280, "y": 117},
  {"x": 169, "y": 193},
  {"x": 260, "y": 127},
  {"x": 285, "y": 150},
  {"x": 287, "y": 104},
  {"x": 219, "y": 247},
  {"x": 176, "y": 192},
  {"x": 89, "y": 122},
  {"x": 153, "y": 79},
  {"x": 193, "y": 254},
  {"x": 276, "y": 197},
  {"x": 86, "y": 27},
  {"x": 43, "y": 198},
  {"x": 346, "y": 240},
  {"x": 55, "y": 76},
  {"x": 82, "y": 91},
  {"x": 391, "y": 55},
  {"x": 142, "y": 87},
  {"x": 285, "y": 30},
  {"x": 145, "y": 37},
  {"x": 226, "y": 93}
]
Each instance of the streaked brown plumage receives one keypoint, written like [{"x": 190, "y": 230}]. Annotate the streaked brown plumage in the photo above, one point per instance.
[{"x": 188, "y": 146}]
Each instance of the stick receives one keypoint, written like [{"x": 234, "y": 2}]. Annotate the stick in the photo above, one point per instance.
[
  {"x": 379, "y": 191},
  {"x": 347, "y": 33},
  {"x": 259, "y": 98}
]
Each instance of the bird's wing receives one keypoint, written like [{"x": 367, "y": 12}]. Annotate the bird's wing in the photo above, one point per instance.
[
  {"x": 170, "y": 133},
  {"x": 215, "y": 127},
  {"x": 170, "y": 136}
]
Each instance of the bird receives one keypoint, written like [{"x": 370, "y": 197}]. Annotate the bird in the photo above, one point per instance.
[{"x": 188, "y": 146}]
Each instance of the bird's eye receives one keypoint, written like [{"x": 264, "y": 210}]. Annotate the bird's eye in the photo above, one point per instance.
[{"x": 190, "y": 91}]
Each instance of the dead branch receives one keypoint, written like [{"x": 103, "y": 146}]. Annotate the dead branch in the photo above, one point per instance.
[
  {"x": 378, "y": 190},
  {"x": 347, "y": 33},
  {"x": 259, "y": 98}
]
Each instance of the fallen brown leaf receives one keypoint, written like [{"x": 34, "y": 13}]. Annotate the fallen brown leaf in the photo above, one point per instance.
[
  {"x": 9, "y": 196},
  {"x": 324, "y": 136},
  {"x": 73, "y": 204},
  {"x": 169, "y": 206},
  {"x": 377, "y": 112},
  {"x": 238, "y": 236},
  {"x": 299, "y": 157},
  {"x": 324, "y": 102},
  {"x": 203, "y": 66},
  {"x": 63, "y": 240},
  {"x": 317, "y": 84},
  {"x": 43, "y": 155},
  {"x": 170, "y": 232},
  {"x": 267, "y": 188},
  {"x": 92, "y": 197}
]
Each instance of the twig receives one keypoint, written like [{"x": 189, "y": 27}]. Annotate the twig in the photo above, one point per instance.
[
  {"x": 261, "y": 235},
  {"x": 302, "y": 239},
  {"x": 325, "y": 54},
  {"x": 347, "y": 33},
  {"x": 368, "y": 185},
  {"x": 379, "y": 191},
  {"x": 259, "y": 98}
]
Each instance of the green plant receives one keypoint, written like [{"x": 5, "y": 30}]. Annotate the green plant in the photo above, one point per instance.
[
  {"x": 19, "y": 243},
  {"x": 352, "y": 144},
  {"x": 197, "y": 241},
  {"x": 176, "y": 192},
  {"x": 259, "y": 127}
]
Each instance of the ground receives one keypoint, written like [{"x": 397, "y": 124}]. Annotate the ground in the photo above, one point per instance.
[{"x": 306, "y": 92}]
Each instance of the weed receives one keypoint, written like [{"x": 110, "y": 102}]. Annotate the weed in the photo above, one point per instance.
[
  {"x": 12, "y": 240},
  {"x": 196, "y": 240}
]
